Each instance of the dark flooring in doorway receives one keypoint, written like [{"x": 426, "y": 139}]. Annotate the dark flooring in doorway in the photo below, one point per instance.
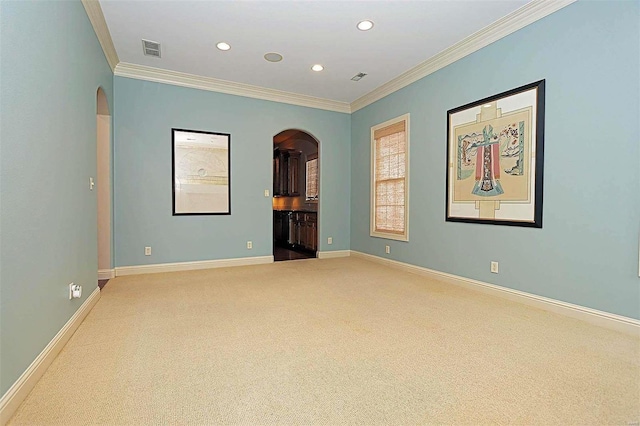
[
  {"x": 102, "y": 283},
  {"x": 280, "y": 253}
]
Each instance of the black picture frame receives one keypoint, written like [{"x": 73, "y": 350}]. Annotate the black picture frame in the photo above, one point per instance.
[
  {"x": 200, "y": 172},
  {"x": 508, "y": 167}
]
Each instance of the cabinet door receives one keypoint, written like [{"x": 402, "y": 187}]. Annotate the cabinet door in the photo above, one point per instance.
[
  {"x": 302, "y": 235},
  {"x": 284, "y": 226},
  {"x": 277, "y": 172},
  {"x": 284, "y": 174},
  {"x": 277, "y": 226},
  {"x": 294, "y": 174},
  {"x": 313, "y": 236},
  {"x": 312, "y": 231},
  {"x": 291, "y": 228}
]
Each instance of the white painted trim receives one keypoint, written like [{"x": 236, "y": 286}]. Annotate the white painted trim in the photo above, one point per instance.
[
  {"x": 17, "y": 393},
  {"x": 94, "y": 12},
  {"x": 527, "y": 14},
  {"x": 190, "y": 266},
  {"x": 592, "y": 316},
  {"x": 224, "y": 86},
  {"x": 106, "y": 274},
  {"x": 333, "y": 254}
]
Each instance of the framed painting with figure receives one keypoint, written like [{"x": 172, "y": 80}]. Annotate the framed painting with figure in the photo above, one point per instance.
[
  {"x": 201, "y": 172},
  {"x": 495, "y": 153}
]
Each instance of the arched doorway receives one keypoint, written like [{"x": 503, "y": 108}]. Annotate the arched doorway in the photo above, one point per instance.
[
  {"x": 103, "y": 184},
  {"x": 296, "y": 195}
]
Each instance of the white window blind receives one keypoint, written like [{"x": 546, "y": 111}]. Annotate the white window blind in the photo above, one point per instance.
[
  {"x": 389, "y": 198},
  {"x": 312, "y": 179}
]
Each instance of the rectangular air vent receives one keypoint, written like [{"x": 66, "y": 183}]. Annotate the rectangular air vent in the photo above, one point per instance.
[
  {"x": 358, "y": 76},
  {"x": 151, "y": 48}
]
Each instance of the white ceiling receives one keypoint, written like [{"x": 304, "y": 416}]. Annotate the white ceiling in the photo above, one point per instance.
[{"x": 406, "y": 33}]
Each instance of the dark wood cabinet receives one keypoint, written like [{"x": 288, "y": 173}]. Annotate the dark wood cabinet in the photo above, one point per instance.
[
  {"x": 307, "y": 235},
  {"x": 296, "y": 230},
  {"x": 286, "y": 173},
  {"x": 281, "y": 227},
  {"x": 305, "y": 230}
]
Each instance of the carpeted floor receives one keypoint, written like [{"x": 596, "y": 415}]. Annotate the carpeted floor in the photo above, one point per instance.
[{"x": 326, "y": 342}]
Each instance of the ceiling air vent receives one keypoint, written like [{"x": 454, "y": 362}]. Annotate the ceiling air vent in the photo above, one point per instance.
[
  {"x": 358, "y": 76},
  {"x": 151, "y": 48}
]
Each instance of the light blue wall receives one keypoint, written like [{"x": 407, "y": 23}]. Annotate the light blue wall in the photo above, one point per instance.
[
  {"x": 145, "y": 112},
  {"x": 51, "y": 66},
  {"x": 587, "y": 251}
]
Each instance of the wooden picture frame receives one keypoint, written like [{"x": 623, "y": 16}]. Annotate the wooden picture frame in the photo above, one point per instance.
[
  {"x": 495, "y": 155},
  {"x": 201, "y": 172}
]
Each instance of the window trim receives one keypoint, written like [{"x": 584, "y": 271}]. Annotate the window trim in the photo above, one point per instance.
[{"x": 372, "y": 181}]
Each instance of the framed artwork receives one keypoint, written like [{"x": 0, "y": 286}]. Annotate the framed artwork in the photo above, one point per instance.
[
  {"x": 201, "y": 172},
  {"x": 495, "y": 152}
]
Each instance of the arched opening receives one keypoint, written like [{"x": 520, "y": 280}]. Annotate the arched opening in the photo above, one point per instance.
[
  {"x": 296, "y": 195},
  {"x": 103, "y": 184}
]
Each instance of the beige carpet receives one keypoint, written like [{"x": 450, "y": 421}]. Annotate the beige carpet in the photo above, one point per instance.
[{"x": 326, "y": 342}]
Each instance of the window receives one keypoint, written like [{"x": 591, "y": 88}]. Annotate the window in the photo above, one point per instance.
[
  {"x": 390, "y": 179},
  {"x": 312, "y": 178}
]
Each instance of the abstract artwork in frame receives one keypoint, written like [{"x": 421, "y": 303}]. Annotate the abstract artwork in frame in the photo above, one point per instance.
[
  {"x": 201, "y": 172},
  {"x": 495, "y": 151}
]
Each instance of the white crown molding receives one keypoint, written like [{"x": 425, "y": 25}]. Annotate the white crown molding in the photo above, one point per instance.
[
  {"x": 333, "y": 254},
  {"x": 191, "y": 266},
  {"x": 177, "y": 78},
  {"x": 592, "y": 316},
  {"x": 527, "y": 14},
  {"x": 94, "y": 12},
  {"x": 17, "y": 393}
]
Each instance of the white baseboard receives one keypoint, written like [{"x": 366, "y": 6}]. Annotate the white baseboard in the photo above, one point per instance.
[
  {"x": 592, "y": 316},
  {"x": 332, "y": 254},
  {"x": 190, "y": 266},
  {"x": 12, "y": 399},
  {"x": 106, "y": 274}
]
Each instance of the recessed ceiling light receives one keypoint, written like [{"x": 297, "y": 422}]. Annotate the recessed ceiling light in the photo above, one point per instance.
[
  {"x": 273, "y": 57},
  {"x": 223, "y": 46},
  {"x": 487, "y": 105},
  {"x": 317, "y": 67},
  {"x": 365, "y": 25}
]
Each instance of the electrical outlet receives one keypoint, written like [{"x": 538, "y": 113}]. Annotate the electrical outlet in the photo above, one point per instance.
[
  {"x": 387, "y": 249},
  {"x": 92, "y": 183},
  {"x": 75, "y": 291},
  {"x": 249, "y": 245},
  {"x": 147, "y": 251},
  {"x": 330, "y": 240},
  {"x": 494, "y": 267},
  {"x": 266, "y": 192}
]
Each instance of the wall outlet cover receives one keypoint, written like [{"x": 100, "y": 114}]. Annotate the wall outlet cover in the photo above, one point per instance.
[{"x": 75, "y": 291}]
